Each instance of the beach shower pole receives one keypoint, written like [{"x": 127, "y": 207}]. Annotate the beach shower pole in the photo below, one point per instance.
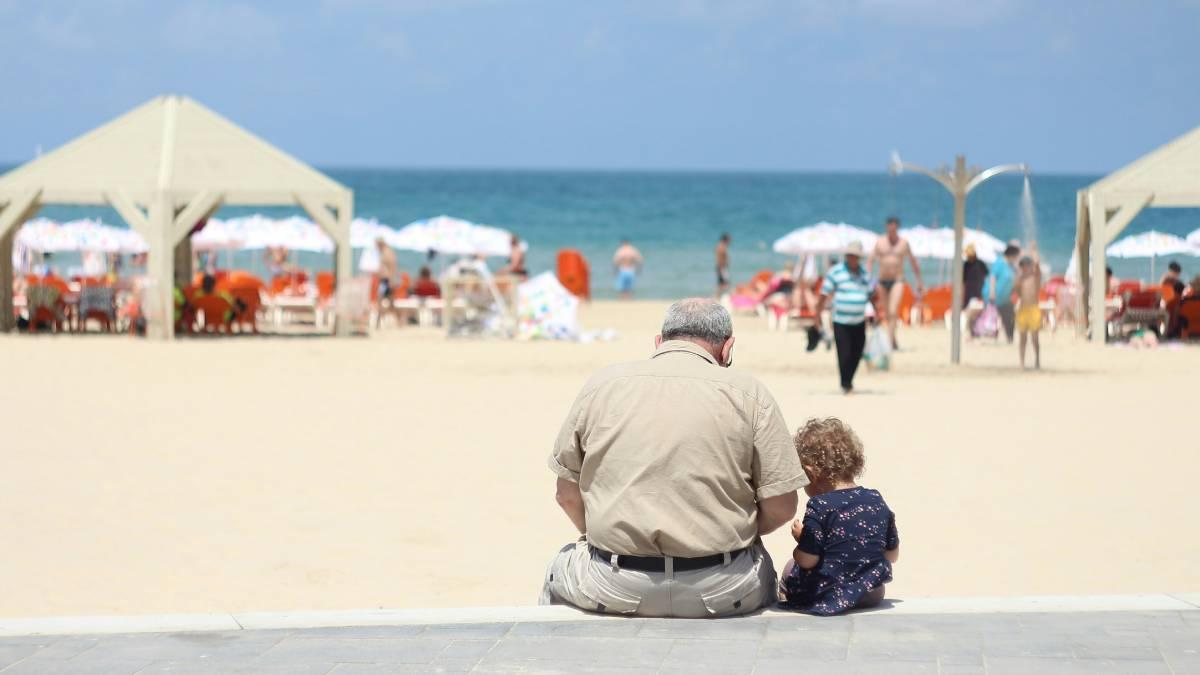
[{"x": 959, "y": 182}]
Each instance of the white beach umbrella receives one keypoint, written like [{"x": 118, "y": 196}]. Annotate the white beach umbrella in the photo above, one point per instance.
[
  {"x": 219, "y": 234},
  {"x": 294, "y": 233},
  {"x": 823, "y": 238},
  {"x": 453, "y": 236},
  {"x": 365, "y": 232},
  {"x": 1150, "y": 245},
  {"x": 47, "y": 236},
  {"x": 1193, "y": 241},
  {"x": 938, "y": 242}
]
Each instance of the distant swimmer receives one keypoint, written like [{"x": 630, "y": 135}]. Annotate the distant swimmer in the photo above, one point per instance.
[
  {"x": 723, "y": 264},
  {"x": 627, "y": 262},
  {"x": 890, "y": 252}
]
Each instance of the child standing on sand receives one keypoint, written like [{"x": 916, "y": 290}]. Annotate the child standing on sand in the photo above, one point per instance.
[
  {"x": 1029, "y": 315},
  {"x": 847, "y": 541}
]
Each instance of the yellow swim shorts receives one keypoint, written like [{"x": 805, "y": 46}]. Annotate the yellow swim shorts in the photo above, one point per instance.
[{"x": 1029, "y": 319}]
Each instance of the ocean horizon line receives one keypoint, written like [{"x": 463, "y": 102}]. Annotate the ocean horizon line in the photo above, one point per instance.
[{"x": 8, "y": 165}]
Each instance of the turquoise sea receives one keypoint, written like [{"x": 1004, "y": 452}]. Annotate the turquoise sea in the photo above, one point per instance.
[{"x": 675, "y": 218}]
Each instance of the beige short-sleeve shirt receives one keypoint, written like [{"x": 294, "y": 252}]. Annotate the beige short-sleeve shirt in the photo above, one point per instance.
[{"x": 672, "y": 454}]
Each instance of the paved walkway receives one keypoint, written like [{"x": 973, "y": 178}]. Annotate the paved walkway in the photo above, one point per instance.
[{"x": 882, "y": 642}]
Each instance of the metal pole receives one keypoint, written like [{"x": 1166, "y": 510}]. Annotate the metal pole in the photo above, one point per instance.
[{"x": 956, "y": 264}]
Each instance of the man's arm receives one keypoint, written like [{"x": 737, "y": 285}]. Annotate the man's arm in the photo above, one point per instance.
[
  {"x": 774, "y": 512},
  {"x": 916, "y": 268},
  {"x": 571, "y": 500}
]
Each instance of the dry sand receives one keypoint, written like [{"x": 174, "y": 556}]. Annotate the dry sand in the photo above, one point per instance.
[{"x": 407, "y": 470}]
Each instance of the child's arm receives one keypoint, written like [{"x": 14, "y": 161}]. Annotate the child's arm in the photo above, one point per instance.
[
  {"x": 805, "y": 559},
  {"x": 891, "y": 548}
]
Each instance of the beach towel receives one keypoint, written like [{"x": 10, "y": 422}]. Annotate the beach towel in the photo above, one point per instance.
[{"x": 878, "y": 353}]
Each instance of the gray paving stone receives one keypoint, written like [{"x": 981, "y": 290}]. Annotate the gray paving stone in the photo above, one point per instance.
[
  {"x": 553, "y": 667},
  {"x": 960, "y": 669},
  {"x": 467, "y": 649},
  {"x": 599, "y": 652},
  {"x": 223, "y": 645},
  {"x": 355, "y": 632},
  {"x": 66, "y": 648},
  {"x": 1027, "y": 646},
  {"x": 806, "y": 647},
  {"x": 381, "y": 668},
  {"x": 792, "y": 667},
  {"x": 87, "y": 666},
  {"x": 465, "y": 631},
  {"x": 13, "y": 652},
  {"x": 714, "y": 629},
  {"x": 1035, "y": 666},
  {"x": 726, "y": 656},
  {"x": 254, "y": 667},
  {"x": 611, "y": 628},
  {"x": 1137, "y": 648},
  {"x": 355, "y": 650}
]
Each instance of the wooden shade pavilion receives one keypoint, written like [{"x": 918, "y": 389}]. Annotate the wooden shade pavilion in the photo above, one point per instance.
[
  {"x": 1168, "y": 176},
  {"x": 165, "y": 166}
]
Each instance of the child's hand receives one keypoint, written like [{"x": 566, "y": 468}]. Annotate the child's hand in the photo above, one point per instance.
[{"x": 797, "y": 529}]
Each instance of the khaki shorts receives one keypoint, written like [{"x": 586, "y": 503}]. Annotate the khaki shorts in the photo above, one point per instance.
[{"x": 579, "y": 576}]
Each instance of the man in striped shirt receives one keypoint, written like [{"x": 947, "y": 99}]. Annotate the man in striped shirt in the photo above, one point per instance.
[{"x": 847, "y": 285}]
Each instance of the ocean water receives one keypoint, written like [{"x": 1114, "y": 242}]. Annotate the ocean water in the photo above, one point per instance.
[{"x": 675, "y": 218}]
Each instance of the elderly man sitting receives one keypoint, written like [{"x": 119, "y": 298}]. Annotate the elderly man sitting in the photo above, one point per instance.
[{"x": 672, "y": 468}]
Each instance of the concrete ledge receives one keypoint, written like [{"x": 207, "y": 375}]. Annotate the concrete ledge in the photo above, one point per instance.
[{"x": 172, "y": 623}]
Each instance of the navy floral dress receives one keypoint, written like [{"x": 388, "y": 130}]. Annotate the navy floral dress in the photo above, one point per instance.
[{"x": 849, "y": 530}]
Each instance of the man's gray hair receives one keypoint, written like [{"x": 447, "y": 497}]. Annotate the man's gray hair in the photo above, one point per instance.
[{"x": 701, "y": 319}]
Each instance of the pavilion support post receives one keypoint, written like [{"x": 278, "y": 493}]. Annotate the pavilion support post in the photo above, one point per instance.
[
  {"x": 183, "y": 263},
  {"x": 16, "y": 211},
  {"x": 1099, "y": 286},
  {"x": 1082, "y": 269},
  {"x": 343, "y": 265},
  {"x": 161, "y": 266}
]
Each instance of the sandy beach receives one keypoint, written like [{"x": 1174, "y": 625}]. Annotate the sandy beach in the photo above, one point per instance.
[{"x": 408, "y": 470}]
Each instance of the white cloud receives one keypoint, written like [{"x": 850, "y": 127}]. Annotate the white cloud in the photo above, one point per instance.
[
  {"x": 222, "y": 28},
  {"x": 63, "y": 32}
]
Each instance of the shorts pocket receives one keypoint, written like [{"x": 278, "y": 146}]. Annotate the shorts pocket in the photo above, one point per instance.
[
  {"x": 738, "y": 595},
  {"x": 603, "y": 585}
]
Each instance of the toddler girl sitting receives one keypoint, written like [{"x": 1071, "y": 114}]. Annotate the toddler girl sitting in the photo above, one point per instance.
[{"x": 847, "y": 541}]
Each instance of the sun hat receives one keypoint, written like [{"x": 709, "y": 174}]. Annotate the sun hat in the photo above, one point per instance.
[
  {"x": 854, "y": 248},
  {"x": 969, "y": 250}
]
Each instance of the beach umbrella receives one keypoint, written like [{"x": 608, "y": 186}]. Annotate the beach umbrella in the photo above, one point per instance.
[
  {"x": 453, "y": 236},
  {"x": 219, "y": 235},
  {"x": 1193, "y": 241},
  {"x": 823, "y": 238},
  {"x": 938, "y": 242},
  {"x": 1150, "y": 245},
  {"x": 365, "y": 232},
  {"x": 294, "y": 233},
  {"x": 47, "y": 236}
]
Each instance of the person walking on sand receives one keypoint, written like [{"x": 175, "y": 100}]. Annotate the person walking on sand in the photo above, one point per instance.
[
  {"x": 998, "y": 289},
  {"x": 672, "y": 468},
  {"x": 846, "y": 286},
  {"x": 627, "y": 262},
  {"x": 890, "y": 252},
  {"x": 1029, "y": 315},
  {"x": 723, "y": 264}
]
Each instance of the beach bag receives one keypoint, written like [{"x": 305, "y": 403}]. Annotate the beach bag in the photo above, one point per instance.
[
  {"x": 987, "y": 324},
  {"x": 878, "y": 353}
]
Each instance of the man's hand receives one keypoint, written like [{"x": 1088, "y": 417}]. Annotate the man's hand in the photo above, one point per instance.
[{"x": 797, "y": 529}]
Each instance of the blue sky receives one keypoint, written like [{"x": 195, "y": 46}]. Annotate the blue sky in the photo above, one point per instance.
[{"x": 690, "y": 84}]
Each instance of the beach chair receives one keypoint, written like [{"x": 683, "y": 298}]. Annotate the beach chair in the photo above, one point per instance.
[
  {"x": 216, "y": 312},
  {"x": 99, "y": 303},
  {"x": 1188, "y": 316},
  {"x": 46, "y": 307},
  {"x": 1140, "y": 309}
]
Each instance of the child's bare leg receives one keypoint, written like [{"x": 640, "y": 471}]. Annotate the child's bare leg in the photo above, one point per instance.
[
  {"x": 1037, "y": 352},
  {"x": 1024, "y": 336}
]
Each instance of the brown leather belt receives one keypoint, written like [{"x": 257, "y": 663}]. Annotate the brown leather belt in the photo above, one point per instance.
[{"x": 644, "y": 563}]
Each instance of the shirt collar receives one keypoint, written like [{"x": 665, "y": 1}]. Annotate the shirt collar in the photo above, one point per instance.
[{"x": 692, "y": 348}]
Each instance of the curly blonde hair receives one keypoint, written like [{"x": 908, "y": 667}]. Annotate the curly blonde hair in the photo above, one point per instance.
[{"x": 831, "y": 448}]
